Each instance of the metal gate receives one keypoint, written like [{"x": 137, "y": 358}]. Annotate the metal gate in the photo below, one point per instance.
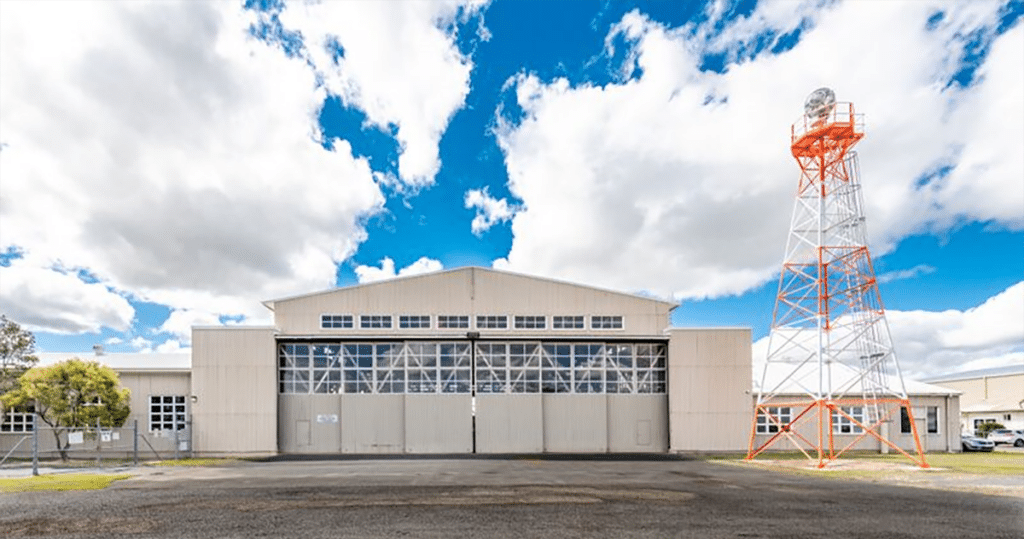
[{"x": 472, "y": 396}]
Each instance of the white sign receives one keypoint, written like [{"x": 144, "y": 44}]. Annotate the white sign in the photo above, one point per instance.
[
  {"x": 117, "y": 435},
  {"x": 76, "y": 437},
  {"x": 327, "y": 418},
  {"x": 105, "y": 436}
]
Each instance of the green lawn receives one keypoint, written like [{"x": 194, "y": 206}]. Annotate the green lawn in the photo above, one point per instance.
[
  {"x": 72, "y": 481},
  {"x": 195, "y": 462},
  {"x": 996, "y": 463}
]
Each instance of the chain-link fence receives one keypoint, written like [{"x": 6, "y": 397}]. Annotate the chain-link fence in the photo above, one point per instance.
[{"x": 98, "y": 446}]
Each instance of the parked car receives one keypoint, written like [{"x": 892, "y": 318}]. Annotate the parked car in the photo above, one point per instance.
[
  {"x": 1007, "y": 436},
  {"x": 973, "y": 443}
]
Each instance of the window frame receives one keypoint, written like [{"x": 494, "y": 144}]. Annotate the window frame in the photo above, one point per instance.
[
  {"x": 839, "y": 421},
  {"x": 453, "y": 321},
  {"x": 343, "y": 316},
  {"x": 520, "y": 321},
  {"x": 420, "y": 318},
  {"x": 491, "y": 321},
  {"x": 376, "y": 321},
  {"x": 179, "y": 419},
  {"x": 605, "y": 319},
  {"x": 19, "y": 420},
  {"x": 559, "y": 321},
  {"x": 932, "y": 419},
  {"x": 766, "y": 426}
]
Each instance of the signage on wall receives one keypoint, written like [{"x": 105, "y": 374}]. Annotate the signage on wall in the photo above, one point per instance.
[{"x": 327, "y": 418}]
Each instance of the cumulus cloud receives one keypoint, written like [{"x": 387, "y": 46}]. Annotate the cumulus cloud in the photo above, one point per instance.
[
  {"x": 930, "y": 343},
  {"x": 172, "y": 155},
  {"x": 489, "y": 210},
  {"x": 397, "y": 62},
  {"x": 679, "y": 181},
  {"x": 58, "y": 300},
  {"x": 386, "y": 270}
]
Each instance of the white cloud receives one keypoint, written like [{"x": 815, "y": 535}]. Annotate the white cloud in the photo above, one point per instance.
[
  {"x": 930, "y": 343},
  {"x": 49, "y": 299},
  {"x": 680, "y": 181},
  {"x": 170, "y": 154},
  {"x": 369, "y": 274},
  {"x": 490, "y": 211},
  {"x": 400, "y": 65},
  {"x": 179, "y": 323},
  {"x": 910, "y": 273}
]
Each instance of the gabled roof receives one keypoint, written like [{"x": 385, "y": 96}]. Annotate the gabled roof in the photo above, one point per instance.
[
  {"x": 1007, "y": 370},
  {"x": 991, "y": 406},
  {"x": 433, "y": 275},
  {"x": 126, "y": 361},
  {"x": 841, "y": 376}
]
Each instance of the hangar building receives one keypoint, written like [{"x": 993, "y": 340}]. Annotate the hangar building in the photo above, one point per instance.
[{"x": 469, "y": 360}]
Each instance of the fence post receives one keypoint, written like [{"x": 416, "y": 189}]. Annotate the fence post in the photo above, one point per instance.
[
  {"x": 99, "y": 449},
  {"x": 176, "y": 431},
  {"x": 35, "y": 444},
  {"x": 135, "y": 442}
]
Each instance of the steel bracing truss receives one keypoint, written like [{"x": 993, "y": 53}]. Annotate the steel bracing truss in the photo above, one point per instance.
[{"x": 830, "y": 348}]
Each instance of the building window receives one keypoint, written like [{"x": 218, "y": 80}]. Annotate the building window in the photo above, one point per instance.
[
  {"x": 166, "y": 412},
  {"x": 605, "y": 322},
  {"x": 414, "y": 321},
  {"x": 843, "y": 425},
  {"x": 530, "y": 322},
  {"x": 933, "y": 419},
  {"x": 780, "y": 415},
  {"x": 904, "y": 421},
  {"x": 492, "y": 322},
  {"x": 18, "y": 420},
  {"x": 1007, "y": 417},
  {"x": 567, "y": 322},
  {"x": 335, "y": 321},
  {"x": 445, "y": 321},
  {"x": 375, "y": 321}
]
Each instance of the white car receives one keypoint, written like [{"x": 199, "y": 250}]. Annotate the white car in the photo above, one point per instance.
[
  {"x": 973, "y": 443},
  {"x": 1007, "y": 436}
]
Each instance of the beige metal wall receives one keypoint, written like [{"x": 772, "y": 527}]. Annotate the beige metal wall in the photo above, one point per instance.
[
  {"x": 995, "y": 389},
  {"x": 471, "y": 291},
  {"x": 234, "y": 380},
  {"x": 509, "y": 424},
  {"x": 146, "y": 384},
  {"x": 946, "y": 440},
  {"x": 709, "y": 384}
]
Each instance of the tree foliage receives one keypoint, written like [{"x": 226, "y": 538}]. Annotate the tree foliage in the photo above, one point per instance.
[
  {"x": 72, "y": 394},
  {"x": 17, "y": 353},
  {"x": 985, "y": 428}
]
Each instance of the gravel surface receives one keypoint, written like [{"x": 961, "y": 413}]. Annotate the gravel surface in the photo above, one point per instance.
[{"x": 503, "y": 498}]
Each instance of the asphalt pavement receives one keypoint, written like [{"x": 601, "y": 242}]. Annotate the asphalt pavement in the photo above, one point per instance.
[{"x": 504, "y": 498}]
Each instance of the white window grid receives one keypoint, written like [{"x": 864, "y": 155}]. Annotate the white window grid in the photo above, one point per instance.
[
  {"x": 414, "y": 321},
  {"x": 842, "y": 424},
  {"x": 781, "y": 415},
  {"x": 447, "y": 321},
  {"x": 568, "y": 322},
  {"x": 445, "y": 367},
  {"x": 492, "y": 321},
  {"x": 530, "y": 322},
  {"x": 167, "y": 412},
  {"x": 336, "y": 321},
  {"x": 375, "y": 321},
  {"x": 606, "y": 322},
  {"x": 18, "y": 421}
]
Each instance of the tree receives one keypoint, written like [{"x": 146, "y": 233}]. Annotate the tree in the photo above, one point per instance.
[
  {"x": 72, "y": 394},
  {"x": 985, "y": 428},
  {"x": 17, "y": 355}
]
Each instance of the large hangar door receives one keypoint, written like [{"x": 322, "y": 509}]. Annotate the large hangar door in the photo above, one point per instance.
[{"x": 509, "y": 410}]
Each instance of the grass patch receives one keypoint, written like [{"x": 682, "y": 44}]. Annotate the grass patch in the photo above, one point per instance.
[
  {"x": 60, "y": 482},
  {"x": 195, "y": 462},
  {"x": 995, "y": 463}
]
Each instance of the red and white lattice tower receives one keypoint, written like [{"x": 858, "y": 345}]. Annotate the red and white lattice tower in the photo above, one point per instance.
[{"x": 830, "y": 367}]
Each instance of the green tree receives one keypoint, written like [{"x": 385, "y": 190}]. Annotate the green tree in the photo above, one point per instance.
[
  {"x": 985, "y": 428},
  {"x": 17, "y": 355},
  {"x": 72, "y": 394}
]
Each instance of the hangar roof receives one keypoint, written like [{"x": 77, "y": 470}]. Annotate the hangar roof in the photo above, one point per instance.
[
  {"x": 126, "y": 362},
  {"x": 438, "y": 275}
]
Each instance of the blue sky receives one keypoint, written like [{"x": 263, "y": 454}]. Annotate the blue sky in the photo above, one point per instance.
[{"x": 170, "y": 164}]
